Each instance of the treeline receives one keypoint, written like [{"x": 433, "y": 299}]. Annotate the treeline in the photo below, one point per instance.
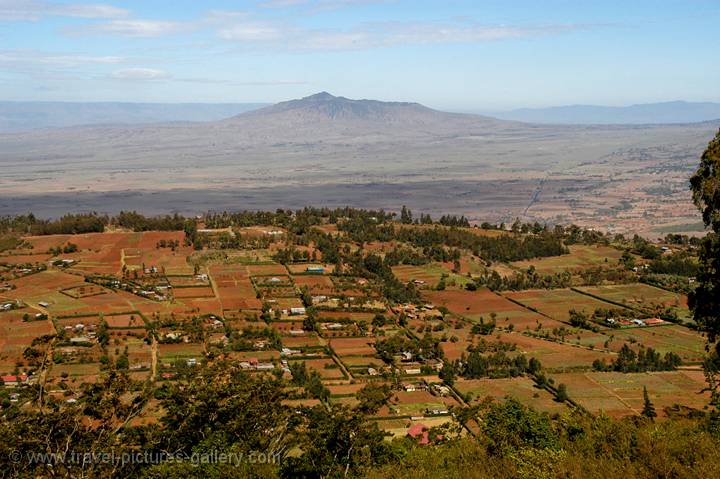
[
  {"x": 93, "y": 223},
  {"x": 678, "y": 264},
  {"x": 499, "y": 364},
  {"x": 506, "y": 247},
  {"x": 645, "y": 360},
  {"x": 67, "y": 224}
]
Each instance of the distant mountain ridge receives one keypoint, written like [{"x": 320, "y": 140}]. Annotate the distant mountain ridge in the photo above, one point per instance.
[
  {"x": 323, "y": 111},
  {"x": 340, "y": 107},
  {"x": 672, "y": 112},
  {"x": 30, "y": 115}
]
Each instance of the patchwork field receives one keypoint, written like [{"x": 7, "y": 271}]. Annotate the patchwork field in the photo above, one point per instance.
[
  {"x": 483, "y": 302},
  {"x": 557, "y": 303},
  {"x": 522, "y": 389},
  {"x": 640, "y": 295},
  {"x": 619, "y": 394},
  {"x": 553, "y": 355},
  {"x": 170, "y": 307},
  {"x": 580, "y": 257}
]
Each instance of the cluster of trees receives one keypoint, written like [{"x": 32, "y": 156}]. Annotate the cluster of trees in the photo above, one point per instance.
[
  {"x": 645, "y": 249},
  {"x": 310, "y": 381},
  {"x": 67, "y": 224},
  {"x": 646, "y": 359},
  {"x": 406, "y": 218},
  {"x": 499, "y": 364},
  {"x": 427, "y": 347},
  {"x": 245, "y": 339},
  {"x": 527, "y": 279},
  {"x": 676, "y": 264},
  {"x": 507, "y": 247},
  {"x": 580, "y": 319},
  {"x": 294, "y": 255},
  {"x": 66, "y": 249}
]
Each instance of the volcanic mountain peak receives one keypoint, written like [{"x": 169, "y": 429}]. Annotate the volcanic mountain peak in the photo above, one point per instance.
[{"x": 325, "y": 105}]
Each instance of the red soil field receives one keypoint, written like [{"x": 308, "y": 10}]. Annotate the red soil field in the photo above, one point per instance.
[
  {"x": 267, "y": 269},
  {"x": 353, "y": 346},
  {"x": 195, "y": 292},
  {"x": 125, "y": 321}
]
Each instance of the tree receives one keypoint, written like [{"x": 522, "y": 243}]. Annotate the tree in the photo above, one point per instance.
[
  {"x": 447, "y": 373},
  {"x": 561, "y": 395},
  {"x": 405, "y": 215},
  {"x": 705, "y": 300},
  {"x": 372, "y": 397},
  {"x": 648, "y": 408}
]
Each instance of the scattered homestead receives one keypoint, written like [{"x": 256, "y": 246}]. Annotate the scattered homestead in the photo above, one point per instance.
[{"x": 445, "y": 314}]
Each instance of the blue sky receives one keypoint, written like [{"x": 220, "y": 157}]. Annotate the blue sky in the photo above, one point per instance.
[{"x": 450, "y": 54}]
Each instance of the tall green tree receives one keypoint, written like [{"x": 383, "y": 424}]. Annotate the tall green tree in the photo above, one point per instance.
[
  {"x": 705, "y": 300},
  {"x": 648, "y": 408}
]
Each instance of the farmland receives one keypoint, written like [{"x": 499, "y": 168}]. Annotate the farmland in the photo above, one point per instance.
[
  {"x": 388, "y": 312},
  {"x": 579, "y": 258},
  {"x": 556, "y": 304}
]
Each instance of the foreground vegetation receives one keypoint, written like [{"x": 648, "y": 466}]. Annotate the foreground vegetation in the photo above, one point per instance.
[{"x": 220, "y": 408}]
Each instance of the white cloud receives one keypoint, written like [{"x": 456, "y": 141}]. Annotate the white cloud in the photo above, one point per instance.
[
  {"x": 379, "y": 35},
  {"x": 34, "y": 10},
  {"x": 318, "y": 4},
  {"x": 255, "y": 32},
  {"x": 140, "y": 74},
  {"x": 32, "y": 57},
  {"x": 133, "y": 28}
]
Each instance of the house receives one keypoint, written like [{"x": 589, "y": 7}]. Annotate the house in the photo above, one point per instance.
[
  {"x": 654, "y": 322},
  {"x": 315, "y": 269},
  {"x": 13, "y": 381},
  {"x": 436, "y": 412},
  {"x": 412, "y": 371},
  {"x": 297, "y": 310},
  {"x": 372, "y": 372},
  {"x": 265, "y": 366},
  {"x": 412, "y": 387},
  {"x": 44, "y": 304},
  {"x": 420, "y": 433},
  {"x": 332, "y": 326},
  {"x": 441, "y": 390},
  {"x": 638, "y": 322}
]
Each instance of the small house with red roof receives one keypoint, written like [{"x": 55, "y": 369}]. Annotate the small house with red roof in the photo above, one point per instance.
[{"x": 420, "y": 433}]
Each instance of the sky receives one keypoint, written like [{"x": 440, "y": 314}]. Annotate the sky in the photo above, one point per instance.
[{"x": 462, "y": 55}]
